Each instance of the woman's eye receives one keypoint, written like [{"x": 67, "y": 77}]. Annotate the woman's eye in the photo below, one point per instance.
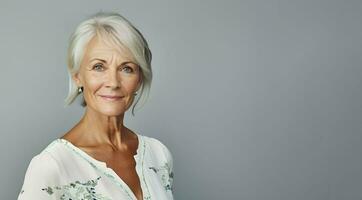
[
  {"x": 129, "y": 69},
  {"x": 98, "y": 67}
]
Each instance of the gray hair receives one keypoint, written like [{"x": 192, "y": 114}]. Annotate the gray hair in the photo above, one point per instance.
[{"x": 113, "y": 26}]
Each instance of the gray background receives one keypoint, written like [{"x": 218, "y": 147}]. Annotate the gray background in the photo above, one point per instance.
[{"x": 255, "y": 99}]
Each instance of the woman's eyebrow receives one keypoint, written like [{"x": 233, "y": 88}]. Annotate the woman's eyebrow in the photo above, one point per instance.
[
  {"x": 104, "y": 61},
  {"x": 98, "y": 59}
]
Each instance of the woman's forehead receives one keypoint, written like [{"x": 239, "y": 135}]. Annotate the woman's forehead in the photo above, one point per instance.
[{"x": 99, "y": 48}]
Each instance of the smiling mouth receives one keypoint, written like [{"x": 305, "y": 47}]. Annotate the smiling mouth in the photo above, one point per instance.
[{"x": 111, "y": 98}]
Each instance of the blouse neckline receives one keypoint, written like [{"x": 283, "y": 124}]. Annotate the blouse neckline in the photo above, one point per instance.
[
  {"x": 109, "y": 172},
  {"x": 98, "y": 162}
]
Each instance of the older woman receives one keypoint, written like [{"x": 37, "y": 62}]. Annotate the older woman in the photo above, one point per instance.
[{"x": 100, "y": 158}]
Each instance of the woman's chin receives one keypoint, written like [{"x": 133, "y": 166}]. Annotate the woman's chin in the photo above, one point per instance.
[{"x": 112, "y": 110}]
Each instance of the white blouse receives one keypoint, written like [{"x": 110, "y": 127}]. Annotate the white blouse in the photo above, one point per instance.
[{"x": 63, "y": 171}]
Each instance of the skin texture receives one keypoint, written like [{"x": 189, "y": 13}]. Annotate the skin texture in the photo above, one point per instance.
[{"x": 108, "y": 70}]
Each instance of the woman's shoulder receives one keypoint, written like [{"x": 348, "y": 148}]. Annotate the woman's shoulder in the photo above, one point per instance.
[
  {"x": 158, "y": 148},
  {"x": 44, "y": 163},
  {"x": 42, "y": 172}
]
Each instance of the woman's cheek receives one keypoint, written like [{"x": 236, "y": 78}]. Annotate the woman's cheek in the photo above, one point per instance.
[{"x": 95, "y": 81}]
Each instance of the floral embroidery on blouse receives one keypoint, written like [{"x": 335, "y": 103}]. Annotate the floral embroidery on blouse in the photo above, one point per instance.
[
  {"x": 166, "y": 175},
  {"x": 78, "y": 190}
]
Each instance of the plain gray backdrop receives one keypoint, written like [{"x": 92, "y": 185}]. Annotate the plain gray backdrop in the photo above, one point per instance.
[{"x": 256, "y": 100}]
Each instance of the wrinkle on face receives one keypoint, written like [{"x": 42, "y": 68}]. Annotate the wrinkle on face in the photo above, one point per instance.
[{"x": 115, "y": 79}]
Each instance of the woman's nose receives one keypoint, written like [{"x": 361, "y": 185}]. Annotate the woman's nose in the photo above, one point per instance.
[{"x": 112, "y": 79}]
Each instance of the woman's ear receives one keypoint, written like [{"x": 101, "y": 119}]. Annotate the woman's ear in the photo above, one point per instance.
[
  {"x": 76, "y": 79},
  {"x": 139, "y": 83}
]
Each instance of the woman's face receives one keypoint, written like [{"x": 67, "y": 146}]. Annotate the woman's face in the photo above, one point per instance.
[{"x": 109, "y": 78}]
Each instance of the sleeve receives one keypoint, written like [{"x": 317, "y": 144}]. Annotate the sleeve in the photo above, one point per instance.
[
  {"x": 170, "y": 164},
  {"x": 169, "y": 159},
  {"x": 41, "y": 175},
  {"x": 163, "y": 165}
]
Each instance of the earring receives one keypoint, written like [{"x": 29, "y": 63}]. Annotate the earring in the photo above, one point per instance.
[
  {"x": 135, "y": 94},
  {"x": 80, "y": 89}
]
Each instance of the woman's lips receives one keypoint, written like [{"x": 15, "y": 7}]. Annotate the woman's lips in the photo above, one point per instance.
[{"x": 110, "y": 98}]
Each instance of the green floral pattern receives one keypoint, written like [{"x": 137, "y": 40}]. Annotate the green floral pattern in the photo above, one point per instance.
[
  {"x": 77, "y": 190},
  {"x": 87, "y": 189},
  {"x": 166, "y": 175}
]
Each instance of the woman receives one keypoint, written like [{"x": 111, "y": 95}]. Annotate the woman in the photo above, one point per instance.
[{"x": 100, "y": 158}]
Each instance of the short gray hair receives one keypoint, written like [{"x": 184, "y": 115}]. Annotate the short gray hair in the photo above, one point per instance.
[{"x": 113, "y": 26}]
